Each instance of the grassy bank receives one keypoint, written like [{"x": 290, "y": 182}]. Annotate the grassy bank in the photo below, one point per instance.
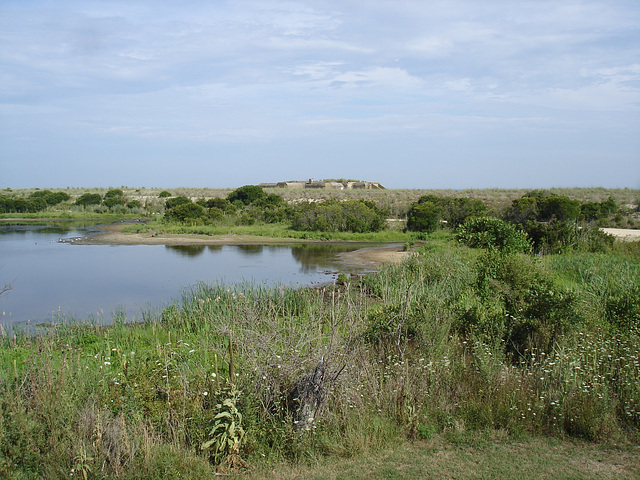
[
  {"x": 272, "y": 230},
  {"x": 396, "y": 201},
  {"x": 451, "y": 348}
]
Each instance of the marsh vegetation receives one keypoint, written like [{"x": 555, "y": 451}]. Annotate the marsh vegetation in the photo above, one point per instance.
[{"x": 480, "y": 334}]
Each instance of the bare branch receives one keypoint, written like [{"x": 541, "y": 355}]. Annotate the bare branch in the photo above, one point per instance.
[{"x": 6, "y": 288}]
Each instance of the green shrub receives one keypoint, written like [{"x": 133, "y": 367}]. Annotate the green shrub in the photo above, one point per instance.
[
  {"x": 334, "y": 216},
  {"x": 114, "y": 193},
  {"x": 177, "y": 201},
  {"x": 493, "y": 233},
  {"x": 430, "y": 211},
  {"x": 536, "y": 311},
  {"x": 114, "y": 201},
  {"x": 424, "y": 217},
  {"x": 221, "y": 204},
  {"x": 184, "y": 212},
  {"x": 89, "y": 199},
  {"x": 51, "y": 198},
  {"x": 246, "y": 195},
  {"x": 557, "y": 237}
]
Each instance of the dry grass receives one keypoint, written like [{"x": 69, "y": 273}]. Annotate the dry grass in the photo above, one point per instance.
[{"x": 396, "y": 201}]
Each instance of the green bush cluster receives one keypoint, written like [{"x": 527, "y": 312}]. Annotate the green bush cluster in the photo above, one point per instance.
[
  {"x": 249, "y": 205},
  {"x": 556, "y": 223},
  {"x": 243, "y": 206},
  {"x": 430, "y": 211},
  {"x": 334, "y": 216},
  {"x": 552, "y": 222},
  {"x": 36, "y": 202},
  {"x": 113, "y": 199},
  {"x": 493, "y": 233}
]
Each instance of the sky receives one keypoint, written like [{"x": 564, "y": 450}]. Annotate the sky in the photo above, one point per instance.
[{"x": 418, "y": 94}]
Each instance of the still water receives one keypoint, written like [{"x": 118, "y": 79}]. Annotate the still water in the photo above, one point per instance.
[{"x": 51, "y": 278}]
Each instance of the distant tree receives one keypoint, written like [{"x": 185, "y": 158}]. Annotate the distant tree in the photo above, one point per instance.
[
  {"x": 247, "y": 194},
  {"x": 522, "y": 210},
  {"x": 89, "y": 199},
  {"x": 494, "y": 234},
  {"x": 271, "y": 200},
  {"x": 542, "y": 206},
  {"x": 177, "y": 201},
  {"x": 591, "y": 211},
  {"x": 557, "y": 207},
  {"x": 114, "y": 201},
  {"x": 220, "y": 203},
  {"x": 184, "y": 212},
  {"x": 134, "y": 204},
  {"x": 49, "y": 197},
  {"x": 22, "y": 205},
  {"x": 56, "y": 197},
  {"x": 424, "y": 217},
  {"x": 6, "y": 204},
  {"x": 335, "y": 216},
  {"x": 40, "y": 193},
  {"x": 114, "y": 193},
  {"x": 608, "y": 207},
  {"x": 458, "y": 209},
  {"x": 164, "y": 194},
  {"x": 453, "y": 210}
]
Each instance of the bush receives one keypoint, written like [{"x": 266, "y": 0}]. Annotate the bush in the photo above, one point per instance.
[
  {"x": 493, "y": 233},
  {"x": 220, "y": 203},
  {"x": 536, "y": 311},
  {"x": 558, "y": 237},
  {"x": 424, "y": 217},
  {"x": 164, "y": 194},
  {"x": 425, "y": 214},
  {"x": 177, "y": 201},
  {"x": 89, "y": 199},
  {"x": 21, "y": 205},
  {"x": 247, "y": 194},
  {"x": 50, "y": 197},
  {"x": 114, "y": 193},
  {"x": 184, "y": 212},
  {"x": 334, "y": 216},
  {"x": 542, "y": 206},
  {"x": 114, "y": 201}
]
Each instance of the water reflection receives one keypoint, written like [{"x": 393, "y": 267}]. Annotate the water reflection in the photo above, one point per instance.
[
  {"x": 83, "y": 281},
  {"x": 187, "y": 250},
  {"x": 250, "y": 249},
  {"x": 311, "y": 256}
]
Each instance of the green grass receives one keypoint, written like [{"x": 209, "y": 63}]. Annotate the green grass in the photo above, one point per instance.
[
  {"x": 272, "y": 231},
  {"x": 488, "y": 455},
  {"x": 396, "y": 201},
  {"x": 67, "y": 215},
  {"x": 453, "y": 364}
]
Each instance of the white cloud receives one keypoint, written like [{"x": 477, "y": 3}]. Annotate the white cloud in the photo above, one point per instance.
[{"x": 280, "y": 71}]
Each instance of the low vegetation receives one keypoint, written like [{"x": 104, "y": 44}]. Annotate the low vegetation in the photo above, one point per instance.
[
  {"x": 455, "y": 342},
  {"x": 486, "y": 332}
]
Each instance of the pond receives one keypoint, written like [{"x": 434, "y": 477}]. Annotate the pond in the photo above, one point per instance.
[{"x": 52, "y": 278}]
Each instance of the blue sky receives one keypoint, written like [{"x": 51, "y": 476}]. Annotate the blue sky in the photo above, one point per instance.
[{"x": 413, "y": 94}]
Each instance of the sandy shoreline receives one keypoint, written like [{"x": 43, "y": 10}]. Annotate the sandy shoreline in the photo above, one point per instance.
[
  {"x": 626, "y": 234},
  {"x": 367, "y": 257}
]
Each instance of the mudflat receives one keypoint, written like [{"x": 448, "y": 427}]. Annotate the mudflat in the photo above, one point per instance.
[{"x": 368, "y": 257}]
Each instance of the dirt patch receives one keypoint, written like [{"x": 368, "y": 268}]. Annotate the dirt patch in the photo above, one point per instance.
[
  {"x": 368, "y": 257},
  {"x": 113, "y": 235},
  {"x": 374, "y": 256},
  {"x": 626, "y": 234}
]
